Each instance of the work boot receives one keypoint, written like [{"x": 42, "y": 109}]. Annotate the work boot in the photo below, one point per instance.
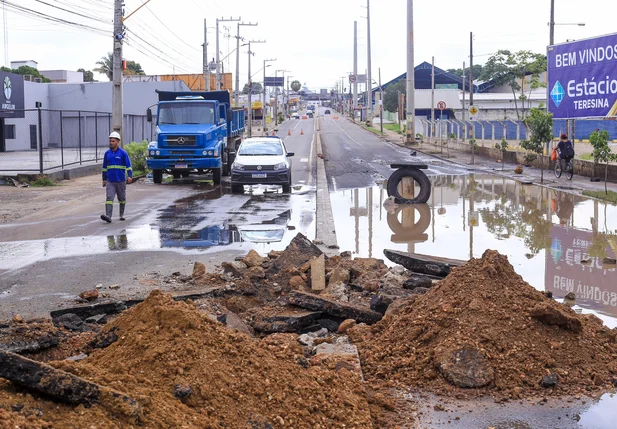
[
  {"x": 122, "y": 211},
  {"x": 108, "y": 212}
]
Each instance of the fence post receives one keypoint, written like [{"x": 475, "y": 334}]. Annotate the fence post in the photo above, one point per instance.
[
  {"x": 79, "y": 122},
  {"x": 96, "y": 137},
  {"x": 62, "y": 138},
  {"x": 40, "y": 140}
]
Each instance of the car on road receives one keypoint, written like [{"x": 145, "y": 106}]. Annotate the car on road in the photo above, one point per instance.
[
  {"x": 295, "y": 115},
  {"x": 310, "y": 114},
  {"x": 261, "y": 161},
  {"x": 327, "y": 112}
]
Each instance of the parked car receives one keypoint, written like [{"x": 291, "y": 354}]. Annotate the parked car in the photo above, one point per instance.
[
  {"x": 261, "y": 161},
  {"x": 295, "y": 115},
  {"x": 327, "y": 112},
  {"x": 310, "y": 114}
]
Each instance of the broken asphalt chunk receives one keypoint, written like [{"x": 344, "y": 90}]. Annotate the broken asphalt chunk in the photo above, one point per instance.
[{"x": 334, "y": 308}]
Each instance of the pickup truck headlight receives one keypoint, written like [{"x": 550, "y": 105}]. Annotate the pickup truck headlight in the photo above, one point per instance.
[
  {"x": 237, "y": 166},
  {"x": 281, "y": 166}
]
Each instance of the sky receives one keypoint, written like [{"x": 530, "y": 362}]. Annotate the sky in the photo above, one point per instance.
[{"x": 312, "y": 40}]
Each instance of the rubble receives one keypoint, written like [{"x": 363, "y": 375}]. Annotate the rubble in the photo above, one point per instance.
[
  {"x": 199, "y": 270},
  {"x": 89, "y": 295},
  {"x": 333, "y": 308},
  {"x": 318, "y": 273},
  {"x": 422, "y": 263},
  {"x": 283, "y": 319}
]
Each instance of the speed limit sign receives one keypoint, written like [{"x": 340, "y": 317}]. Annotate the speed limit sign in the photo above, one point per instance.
[{"x": 441, "y": 105}]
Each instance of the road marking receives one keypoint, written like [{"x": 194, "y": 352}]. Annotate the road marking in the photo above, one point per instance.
[
  {"x": 304, "y": 160},
  {"x": 334, "y": 188},
  {"x": 297, "y": 125},
  {"x": 344, "y": 132}
]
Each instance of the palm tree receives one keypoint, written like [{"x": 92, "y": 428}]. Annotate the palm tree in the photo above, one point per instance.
[
  {"x": 106, "y": 66},
  {"x": 296, "y": 85}
]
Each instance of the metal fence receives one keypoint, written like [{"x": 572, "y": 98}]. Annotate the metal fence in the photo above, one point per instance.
[{"x": 49, "y": 139}]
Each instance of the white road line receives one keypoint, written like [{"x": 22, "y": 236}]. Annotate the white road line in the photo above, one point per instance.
[
  {"x": 297, "y": 124},
  {"x": 304, "y": 160},
  {"x": 344, "y": 132},
  {"x": 334, "y": 188},
  {"x": 313, "y": 143}
]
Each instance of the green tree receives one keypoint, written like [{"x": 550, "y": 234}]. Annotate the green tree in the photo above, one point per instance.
[
  {"x": 296, "y": 86},
  {"x": 477, "y": 72},
  {"x": 106, "y": 66},
  {"x": 516, "y": 69},
  {"x": 133, "y": 68},
  {"x": 602, "y": 151},
  {"x": 503, "y": 147},
  {"x": 390, "y": 96},
  {"x": 257, "y": 88},
  {"x": 88, "y": 75},
  {"x": 540, "y": 126},
  {"x": 26, "y": 70}
]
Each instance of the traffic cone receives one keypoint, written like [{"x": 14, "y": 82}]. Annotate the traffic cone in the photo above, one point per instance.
[
  {"x": 289, "y": 132},
  {"x": 301, "y": 132}
]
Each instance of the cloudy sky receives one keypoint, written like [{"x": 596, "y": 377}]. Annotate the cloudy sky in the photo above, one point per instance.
[{"x": 314, "y": 40}]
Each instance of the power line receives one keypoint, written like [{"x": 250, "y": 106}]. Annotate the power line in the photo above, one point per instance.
[
  {"x": 74, "y": 13},
  {"x": 168, "y": 29},
  {"x": 152, "y": 50}
]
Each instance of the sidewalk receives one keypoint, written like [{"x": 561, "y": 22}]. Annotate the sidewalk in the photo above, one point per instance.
[{"x": 530, "y": 175}]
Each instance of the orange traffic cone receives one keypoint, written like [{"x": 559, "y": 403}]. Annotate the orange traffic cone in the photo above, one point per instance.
[
  {"x": 289, "y": 132},
  {"x": 301, "y": 132}
]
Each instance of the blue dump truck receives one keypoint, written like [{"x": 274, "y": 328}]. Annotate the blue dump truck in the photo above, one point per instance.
[{"x": 195, "y": 132}]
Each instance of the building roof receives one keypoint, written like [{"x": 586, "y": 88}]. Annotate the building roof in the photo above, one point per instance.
[{"x": 422, "y": 76}]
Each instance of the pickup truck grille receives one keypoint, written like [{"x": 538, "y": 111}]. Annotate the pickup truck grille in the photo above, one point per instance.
[{"x": 181, "y": 141}]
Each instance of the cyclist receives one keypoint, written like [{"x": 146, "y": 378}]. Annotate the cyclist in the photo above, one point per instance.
[{"x": 565, "y": 150}]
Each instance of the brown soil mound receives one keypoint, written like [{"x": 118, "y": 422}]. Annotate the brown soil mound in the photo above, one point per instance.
[
  {"x": 483, "y": 326},
  {"x": 225, "y": 379}
]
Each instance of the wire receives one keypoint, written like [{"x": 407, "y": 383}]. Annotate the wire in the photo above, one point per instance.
[
  {"x": 74, "y": 13},
  {"x": 168, "y": 29},
  {"x": 153, "y": 50}
]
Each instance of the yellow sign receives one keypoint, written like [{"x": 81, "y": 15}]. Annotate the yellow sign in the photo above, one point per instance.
[
  {"x": 473, "y": 110},
  {"x": 257, "y": 105}
]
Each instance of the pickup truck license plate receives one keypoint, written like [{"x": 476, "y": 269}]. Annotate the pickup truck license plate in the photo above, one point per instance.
[
  {"x": 259, "y": 175},
  {"x": 181, "y": 166}
]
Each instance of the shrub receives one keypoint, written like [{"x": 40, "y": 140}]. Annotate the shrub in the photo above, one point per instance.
[
  {"x": 137, "y": 152},
  {"x": 43, "y": 181}
]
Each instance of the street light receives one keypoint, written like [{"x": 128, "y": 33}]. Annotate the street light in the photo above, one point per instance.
[{"x": 552, "y": 24}]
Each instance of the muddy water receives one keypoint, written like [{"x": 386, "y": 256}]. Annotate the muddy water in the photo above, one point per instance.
[{"x": 557, "y": 241}]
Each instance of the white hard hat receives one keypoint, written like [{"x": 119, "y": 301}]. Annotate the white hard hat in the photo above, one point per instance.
[{"x": 114, "y": 135}]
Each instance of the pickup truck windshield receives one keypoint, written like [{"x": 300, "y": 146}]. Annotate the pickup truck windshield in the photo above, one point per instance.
[
  {"x": 260, "y": 148},
  {"x": 182, "y": 112}
]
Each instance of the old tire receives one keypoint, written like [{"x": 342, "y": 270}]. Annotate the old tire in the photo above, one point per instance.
[
  {"x": 416, "y": 232},
  {"x": 157, "y": 176},
  {"x": 216, "y": 175},
  {"x": 419, "y": 176}
]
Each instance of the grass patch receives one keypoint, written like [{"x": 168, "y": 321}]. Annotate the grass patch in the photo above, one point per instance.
[
  {"x": 43, "y": 181},
  {"x": 586, "y": 157},
  {"x": 373, "y": 130},
  {"x": 393, "y": 127},
  {"x": 601, "y": 195}
]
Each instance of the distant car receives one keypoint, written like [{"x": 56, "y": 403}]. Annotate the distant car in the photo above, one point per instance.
[
  {"x": 310, "y": 114},
  {"x": 311, "y": 107},
  {"x": 327, "y": 112},
  {"x": 295, "y": 115},
  {"x": 261, "y": 161}
]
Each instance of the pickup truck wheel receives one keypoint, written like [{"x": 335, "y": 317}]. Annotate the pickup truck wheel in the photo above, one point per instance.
[
  {"x": 216, "y": 175},
  {"x": 157, "y": 176},
  {"x": 287, "y": 188}
]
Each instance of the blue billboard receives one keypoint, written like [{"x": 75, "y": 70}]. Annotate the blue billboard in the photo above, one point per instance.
[{"x": 582, "y": 78}]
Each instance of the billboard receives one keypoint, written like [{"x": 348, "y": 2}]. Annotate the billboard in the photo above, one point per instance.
[
  {"x": 582, "y": 78},
  {"x": 594, "y": 283},
  {"x": 12, "y": 95},
  {"x": 274, "y": 81}
]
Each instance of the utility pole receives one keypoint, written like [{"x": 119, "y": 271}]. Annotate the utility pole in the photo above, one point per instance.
[
  {"x": 463, "y": 115},
  {"x": 411, "y": 102},
  {"x": 238, "y": 38},
  {"x": 250, "y": 102},
  {"x": 552, "y": 24},
  {"x": 287, "y": 103},
  {"x": 355, "y": 68},
  {"x": 206, "y": 71},
  {"x": 380, "y": 103},
  {"x": 433, "y": 99},
  {"x": 369, "y": 103},
  {"x": 218, "y": 51},
  {"x": 264, "y": 88},
  {"x": 473, "y": 146},
  {"x": 117, "y": 118}
]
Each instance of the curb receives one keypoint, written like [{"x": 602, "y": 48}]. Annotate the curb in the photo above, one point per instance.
[{"x": 325, "y": 231}]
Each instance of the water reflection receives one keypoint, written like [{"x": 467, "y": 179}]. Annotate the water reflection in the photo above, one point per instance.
[{"x": 545, "y": 233}]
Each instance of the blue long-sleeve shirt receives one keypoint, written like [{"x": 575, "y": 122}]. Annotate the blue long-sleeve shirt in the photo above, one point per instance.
[{"x": 116, "y": 165}]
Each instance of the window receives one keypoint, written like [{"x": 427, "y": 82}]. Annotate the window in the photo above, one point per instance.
[
  {"x": 260, "y": 148},
  {"x": 186, "y": 112},
  {"x": 9, "y": 131}
]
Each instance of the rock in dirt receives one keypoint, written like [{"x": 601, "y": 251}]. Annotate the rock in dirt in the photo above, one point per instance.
[
  {"x": 104, "y": 338},
  {"x": 329, "y": 324},
  {"x": 386, "y": 296},
  {"x": 89, "y": 295},
  {"x": 550, "y": 380},
  {"x": 100, "y": 319},
  {"x": 337, "y": 291},
  {"x": 419, "y": 280},
  {"x": 562, "y": 317},
  {"x": 71, "y": 322},
  {"x": 85, "y": 311},
  {"x": 252, "y": 259},
  {"x": 346, "y": 325},
  {"x": 339, "y": 275},
  {"x": 114, "y": 287},
  {"x": 182, "y": 392},
  {"x": 256, "y": 273},
  {"x": 297, "y": 283},
  {"x": 235, "y": 268},
  {"x": 318, "y": 273},
  {"x": 283, "y": 319},
  {"x": 423, "y": 263},
  {"x": 399, "y": 305},
  {"x": 299, "y": 251},
  {"x": 199, "y": 270},
  {"x": 467, "y": 367},
  {"x": 233, "y": 321},
  {"x": 333, "y": 308},
  {"x": 393, "y": 279},
  {"x": 28, "y": 337}
]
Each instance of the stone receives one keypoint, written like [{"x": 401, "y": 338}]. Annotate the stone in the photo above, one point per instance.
[
  {"x": 386, "y": 296},
  {"x": 252, "y": 259},
  {"x": 114, "y": 287},
  {"x": 309, "y": 338},
  {"x": 346, "y": 254},
  {"x": 329, "y": 324},
  {"x": 333, "y": 308},
  {"x": 346, "y": 325},
  {"x": 18, "y": 319},
  {"x": 77, "y": 358},
  {"x": 318, "y": 273},
  {"x": 420, "y": 291},
  {"x": 549, "y": 314},
  {"x": 297, "y": 283},
  {"x": 467, "y": 368},
  {"x": 256, "y": 273},
  {"x": 104, "y": 338},
  {"x": 393, "y": 279},
  {"x": 99, "y": 319},
  {"x": 336, "y": 291},
  {"x": 199, "y": 270},
  {"x": 296, "y": 254},
  {"x": 418, "y": 280},
  {"x": 235, "y": 268},
  {"x": 233, "y": 321},
  {"x": 549, "y": 380},
  {"x": 397, "y": 306},
  {"x": 89, "y": 295},
  {"x": 99, "y": 286},
  {"x": 571, "y": 296},
  {"x": 182, "y": 392},
  {"x": 284, "y": 319},
  {"x": 339, "y": 275},
  {"x": 417, "y": 263},
  {"x": 70, "y": 322},
  {"x": 273, "y": 254}
]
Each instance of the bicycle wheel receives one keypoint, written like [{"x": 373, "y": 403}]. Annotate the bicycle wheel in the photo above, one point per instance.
[
  {"x": 569, "y": 170},
  {"x": 557, "y": 169}
]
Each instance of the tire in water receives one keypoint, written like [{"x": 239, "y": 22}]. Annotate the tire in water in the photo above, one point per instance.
[{"x": 419, "y": 176}]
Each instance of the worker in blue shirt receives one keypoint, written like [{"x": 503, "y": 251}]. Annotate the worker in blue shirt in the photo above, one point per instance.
[{"x": 117, "y": 172}]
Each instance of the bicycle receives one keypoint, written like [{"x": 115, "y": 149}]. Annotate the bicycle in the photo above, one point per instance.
[{"x": 558, "y": 169}]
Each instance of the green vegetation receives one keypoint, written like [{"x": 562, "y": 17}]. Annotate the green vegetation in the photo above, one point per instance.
[
  {"x": 281, "y": 118},
  {"x": 43, "y": 181},
  {"x": 587, "y": 157},
  {"x": 137, "y": 152},
  {"x": 602, "y": 151},
  {"x": 503, "y": 147},
  {"x": 26, "y": 70},
  {"x": 610, "y": 196},
  {"x": 393, "y": 127},
  {"x": 373, "y": 130},
  {"x": 540, "y": 126}
]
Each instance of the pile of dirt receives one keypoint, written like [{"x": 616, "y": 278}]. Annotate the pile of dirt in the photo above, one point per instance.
[
  {"x": 483, "y": 329},
  {"x": 186, "y": 370}
]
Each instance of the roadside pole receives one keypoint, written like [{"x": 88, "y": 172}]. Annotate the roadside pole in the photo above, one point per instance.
[
  {"x": 206, "y": 71},
  {"x": 380, "y": 102},
  {"x": 238, "y": 38},
  {"x": 355, "y": 68},
  {"x": 463, "y": 114},
  {"x": 473, "y": 146},
  {"x": 433, "y": 99},
  {"x": 411, "y": 102},
  {"x": 218, "y": 51},
  {"x": 369, "y": 87},
  {"x": 117, "y": 70}
]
